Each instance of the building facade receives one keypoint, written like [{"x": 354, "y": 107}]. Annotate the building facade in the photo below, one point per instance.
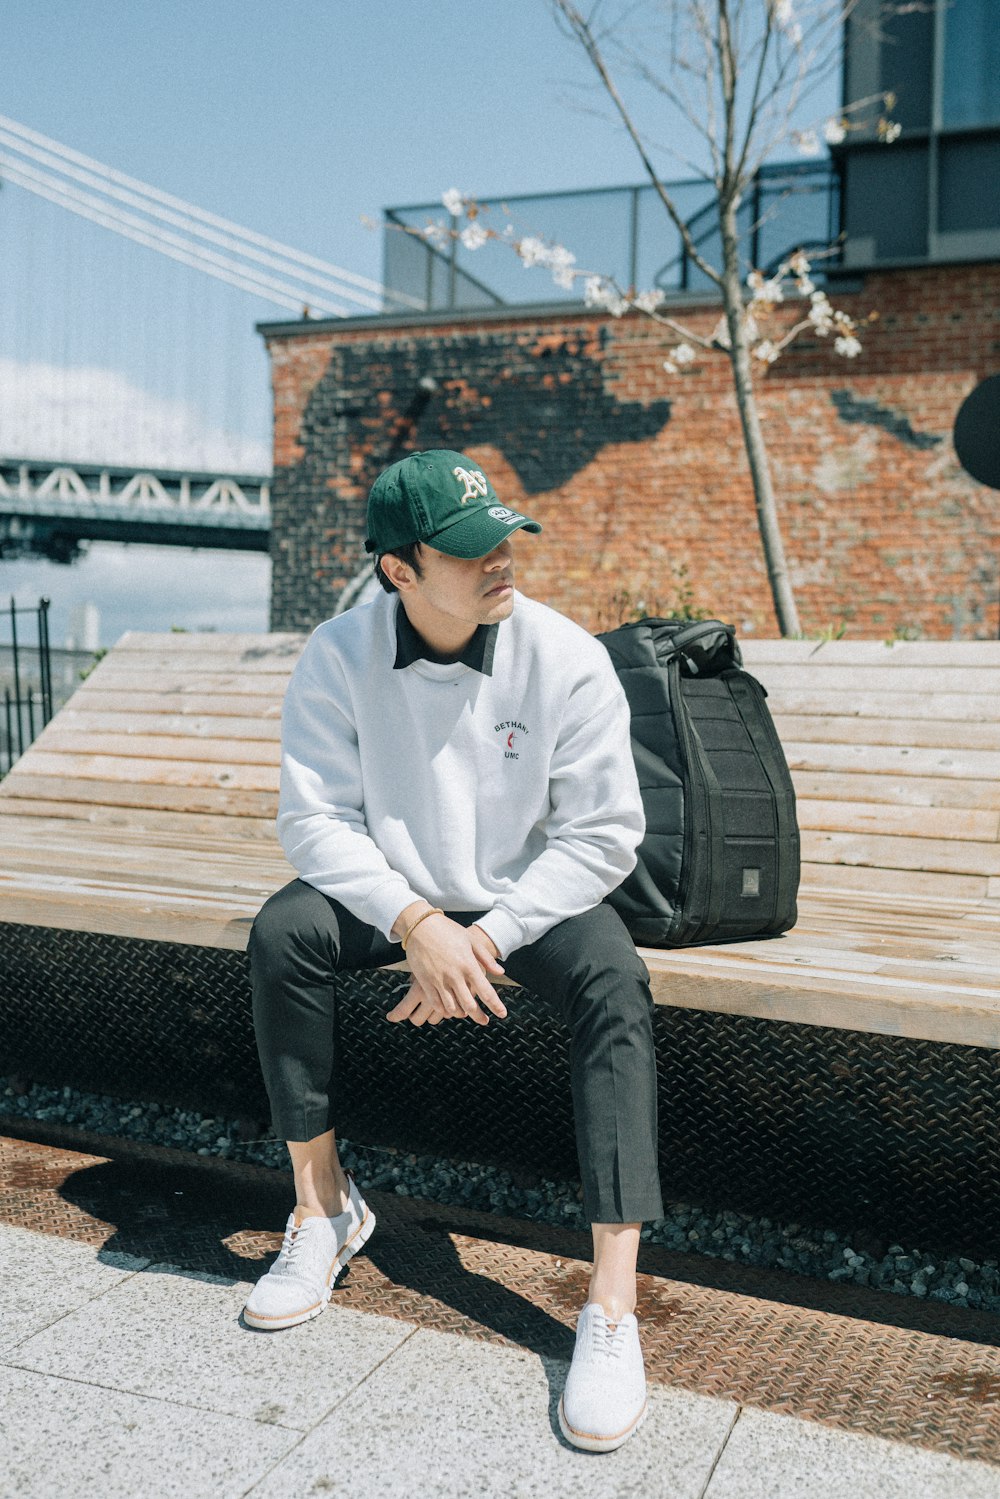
[{"x": 639, "y": 477}]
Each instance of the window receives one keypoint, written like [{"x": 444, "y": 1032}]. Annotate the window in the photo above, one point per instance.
[{"x": 971, "y": 93}]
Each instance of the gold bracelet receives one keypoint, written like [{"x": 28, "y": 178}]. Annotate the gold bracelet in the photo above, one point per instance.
[{"x": 404, "y": 939}]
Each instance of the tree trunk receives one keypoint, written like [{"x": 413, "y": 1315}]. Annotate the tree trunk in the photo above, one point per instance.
[{"x": 753, "y": 436}]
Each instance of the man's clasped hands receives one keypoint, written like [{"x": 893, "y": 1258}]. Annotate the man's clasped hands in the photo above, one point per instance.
[{"x": 451, "y": 965}]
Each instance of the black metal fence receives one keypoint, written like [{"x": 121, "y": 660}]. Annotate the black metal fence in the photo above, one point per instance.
[
  {"x": 621, "y": 232},
  {"x": 27, "y": 691}
]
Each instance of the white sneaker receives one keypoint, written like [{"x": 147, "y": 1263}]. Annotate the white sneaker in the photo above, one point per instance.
[
  {"x": 313, "y": 1253},
  {"x": 605, "y": 1396}
]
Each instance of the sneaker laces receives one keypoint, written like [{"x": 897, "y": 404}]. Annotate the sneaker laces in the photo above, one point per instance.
[
  {"x": 293, "y": 1240},
  {"x": 607, "y": 1338}
]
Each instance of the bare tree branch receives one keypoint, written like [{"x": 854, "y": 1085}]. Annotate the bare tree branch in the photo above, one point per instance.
[{"x": 583, "y": 34}]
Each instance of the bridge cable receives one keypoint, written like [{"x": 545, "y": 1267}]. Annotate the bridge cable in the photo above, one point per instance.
[{"x": 126, "y": 188}]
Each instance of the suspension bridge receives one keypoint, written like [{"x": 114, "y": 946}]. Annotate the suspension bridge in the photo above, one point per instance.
[{"x": 134, "y": 403}]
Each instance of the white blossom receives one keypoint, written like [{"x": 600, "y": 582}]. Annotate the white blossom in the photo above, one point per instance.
[
  {"x": 561, "y": 262},
  {"x": 834, "y": 131},
  {"x": 765, "y": 290},
  {"x": 889, "y": 131},
  {"x": 847, "y": 345},
  {"x": 821, "y": 313},
  {"x": 532, "y": 250},
  {"x": 473, "y": 236},
  {"x": 438, "y": 236},
  {"x": 683, "y": 354},
  {"x": 648, "y": 301},
  {"x": 598, "y": 292},
  {"x": 798, "y": 263},
  {"x": 454, "y": 201},
  {"x": 808, "y": 142},
  {"x": 805, "y": 286},
  {"x": 786, "y": 20},
  {"x": 765, "y": 351}
]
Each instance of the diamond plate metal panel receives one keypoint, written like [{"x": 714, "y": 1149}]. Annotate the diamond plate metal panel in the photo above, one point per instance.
[{"x": 889, "y": 1134}]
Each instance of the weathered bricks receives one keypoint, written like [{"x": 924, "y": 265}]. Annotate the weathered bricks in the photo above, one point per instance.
[{"x": 640, "y": 478}]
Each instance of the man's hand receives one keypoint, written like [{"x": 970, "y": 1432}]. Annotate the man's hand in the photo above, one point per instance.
[
  {"x": 418, "y": 1008},
  {"x": 450, "y": 964}
]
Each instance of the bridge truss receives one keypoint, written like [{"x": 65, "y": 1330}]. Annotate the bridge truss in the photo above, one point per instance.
[{"x": 50, "y": 509}]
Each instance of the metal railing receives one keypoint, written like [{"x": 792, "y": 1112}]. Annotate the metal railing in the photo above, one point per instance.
[
  {"x": 27, "y": 696},
  {"x": 622, "y": 232}
]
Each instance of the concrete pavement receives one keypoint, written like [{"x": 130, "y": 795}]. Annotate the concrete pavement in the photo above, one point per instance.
[{"x": 122, "y": 1374}]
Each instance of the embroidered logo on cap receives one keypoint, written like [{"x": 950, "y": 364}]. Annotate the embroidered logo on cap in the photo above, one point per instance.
[
  {"x": 475, "y": 481},
  {"x": 501, "y": 512}
]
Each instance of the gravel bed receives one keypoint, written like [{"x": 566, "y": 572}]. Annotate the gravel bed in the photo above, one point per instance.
[{"x": 819, "y": 1253}]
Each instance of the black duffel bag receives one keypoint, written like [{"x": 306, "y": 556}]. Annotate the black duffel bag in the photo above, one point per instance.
[{"x": 720, "y": 858}]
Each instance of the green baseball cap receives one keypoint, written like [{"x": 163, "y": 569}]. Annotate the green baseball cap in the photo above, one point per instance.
[{"x": 443, "y": 498}]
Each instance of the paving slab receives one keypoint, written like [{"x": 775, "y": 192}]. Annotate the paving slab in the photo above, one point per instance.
[
  {"x": 840, "y": 1357},
  {"x": 772, "y": 1454},
  {"x": 451, "y": 1417},
  {"x": 64, "y": 1439},
  {"x": 45, "y": 1278},
  {"x": 174, "y": 1336}
]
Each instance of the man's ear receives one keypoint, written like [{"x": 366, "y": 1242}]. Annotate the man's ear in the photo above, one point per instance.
[{"x": 399, "y": 573}]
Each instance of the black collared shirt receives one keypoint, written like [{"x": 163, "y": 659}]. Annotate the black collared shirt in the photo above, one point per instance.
[{"x": 410, "y": 647}]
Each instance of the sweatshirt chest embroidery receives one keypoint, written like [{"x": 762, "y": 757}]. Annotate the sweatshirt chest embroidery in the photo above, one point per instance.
[{"x": 510, "y": 734}]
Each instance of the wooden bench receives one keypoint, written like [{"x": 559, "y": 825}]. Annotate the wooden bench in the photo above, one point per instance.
[
  {"x": 145, "y": 809},
  {"x": 846, "y": 1072}
]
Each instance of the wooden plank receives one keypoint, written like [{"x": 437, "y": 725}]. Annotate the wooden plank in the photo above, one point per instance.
[
  {"x": 893, "y": 790},
  {"x": 864, "y": 678},
  {"x": 136, "y": 822},
  {"x": 283, "y": 644},
  {"x": 204, "y": 726},
  {"x": 250, "y": 704},
  {"x": 851, "y": 1003},
  {"x": 822, "y": 909},
  {"x": 931, "y": 653},
  {"x": 926, "y": 854},
  {"x": 906, "y": 957},
  {"x": 111, "y": 768},
  {"x": 929, "y": 733},
  {"x": 911, "y": 884},
  {"x": 957, "y": 763},
  {"x": 57, "y": 740},
  {"x": 919, "y": 822},
  {"x": 127, "y": 863},
  {"x": 260, "y": 664},
  {"x": 812, "y": 699},
  {"x": 221, "y": 801},
  {"x": 133, "y": 915},
  {"x": 174, "y": 678}
]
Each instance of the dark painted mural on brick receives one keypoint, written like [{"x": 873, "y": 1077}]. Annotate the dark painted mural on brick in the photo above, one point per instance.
[
  {"x": 540, "y": 399},
  {"x": 870, "y": 413}
]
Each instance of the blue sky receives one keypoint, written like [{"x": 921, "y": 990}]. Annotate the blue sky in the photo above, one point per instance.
[{"x": 295, "y": 119}]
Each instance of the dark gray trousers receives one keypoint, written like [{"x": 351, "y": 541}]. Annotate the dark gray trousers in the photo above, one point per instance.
[{"x": 587, "y": 964}]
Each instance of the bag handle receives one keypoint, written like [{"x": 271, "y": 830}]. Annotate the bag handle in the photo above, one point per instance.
[{"x": 699, "y": 645}]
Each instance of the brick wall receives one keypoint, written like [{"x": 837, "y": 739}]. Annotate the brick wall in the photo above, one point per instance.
[{"x": 640, "y": 478}]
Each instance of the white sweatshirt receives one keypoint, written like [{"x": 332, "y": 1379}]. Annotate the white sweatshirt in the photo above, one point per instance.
[{"x": 514, "y": 794}]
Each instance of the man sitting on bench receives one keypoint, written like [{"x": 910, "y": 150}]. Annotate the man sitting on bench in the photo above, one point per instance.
[{"x": 457, "y": 784}]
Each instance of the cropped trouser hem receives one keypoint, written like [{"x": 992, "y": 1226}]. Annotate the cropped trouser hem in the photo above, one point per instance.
[{"x": 588, "y": 965}]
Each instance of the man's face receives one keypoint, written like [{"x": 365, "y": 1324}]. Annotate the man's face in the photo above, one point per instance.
[{"x": 466, "y": 590}]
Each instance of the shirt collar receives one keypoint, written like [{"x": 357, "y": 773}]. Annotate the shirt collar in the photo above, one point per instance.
[{"x": 410, "y": 647}]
